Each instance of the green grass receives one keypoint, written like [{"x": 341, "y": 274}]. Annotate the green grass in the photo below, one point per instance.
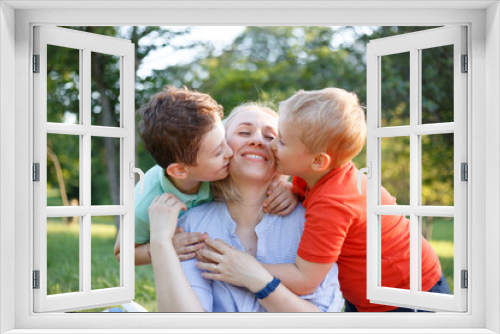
[
  {"x": 63, "y": 261},
  {"x": 442, "y": 242}
]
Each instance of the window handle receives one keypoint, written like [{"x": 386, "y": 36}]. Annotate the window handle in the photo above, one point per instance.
[
  {"x": 368, "y": 171},
  {"x": 133, "y": 170}
]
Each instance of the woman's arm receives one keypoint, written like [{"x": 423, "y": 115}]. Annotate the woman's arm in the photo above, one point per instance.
[
  {"x": 173, "y": 291},
  {"x": 302, "y": 277},
  {"x": 233, "y": 266}
]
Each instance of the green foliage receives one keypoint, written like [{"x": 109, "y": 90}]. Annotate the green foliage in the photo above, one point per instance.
[{"x": 269, "y": 64}]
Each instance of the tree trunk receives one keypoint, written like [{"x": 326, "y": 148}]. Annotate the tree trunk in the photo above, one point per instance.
[
  {"x": 62, "y": 186},
  {"x": 109, "y": 143},
  {"x": 427, "y": 229}
]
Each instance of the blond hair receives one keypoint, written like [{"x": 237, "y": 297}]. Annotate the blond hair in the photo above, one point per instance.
[
  {"x": 225, "y": 190},
  {"x": 330, "y": 120}
]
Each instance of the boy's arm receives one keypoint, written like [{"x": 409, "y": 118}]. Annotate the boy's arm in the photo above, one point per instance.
[
  {"x": 185, "y": 244},
  {"x": 142, "y": 256},
  {"x": 302, "y": 277}
]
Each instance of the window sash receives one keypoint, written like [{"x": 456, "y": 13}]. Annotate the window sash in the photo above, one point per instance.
[
  {"x": 413, "y": 43},
  {"x": 85, "y": 42}
]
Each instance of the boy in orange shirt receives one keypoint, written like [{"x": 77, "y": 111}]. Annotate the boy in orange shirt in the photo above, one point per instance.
[{"x": 319, "y": 133}]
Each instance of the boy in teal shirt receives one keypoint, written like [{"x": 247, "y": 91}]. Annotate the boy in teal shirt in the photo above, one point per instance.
[{"x": 183, "y": 132}]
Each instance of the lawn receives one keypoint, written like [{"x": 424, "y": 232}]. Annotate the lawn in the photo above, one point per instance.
[{"x": 63, "y": 258}]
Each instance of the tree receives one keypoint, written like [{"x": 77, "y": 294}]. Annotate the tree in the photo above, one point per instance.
[{"x": 63, "y": 106}]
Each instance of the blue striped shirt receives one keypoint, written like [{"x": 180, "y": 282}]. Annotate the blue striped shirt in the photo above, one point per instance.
[{"x": 277, "y": 242}]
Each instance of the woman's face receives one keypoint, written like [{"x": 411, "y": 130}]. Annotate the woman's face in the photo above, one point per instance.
[{"x": 249, "y": 135}]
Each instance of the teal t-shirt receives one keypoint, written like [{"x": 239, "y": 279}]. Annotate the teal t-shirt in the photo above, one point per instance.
[{"x": 155, "y": 183}]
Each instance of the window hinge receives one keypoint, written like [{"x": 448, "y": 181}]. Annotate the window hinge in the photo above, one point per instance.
[
  {"x": 36, "y": 279},
  {"x": 36, "y": 172},
  {"x": 465, "y": 64},
  {"x": 464, "y": 171},
  {"x": 36, "y": 63},
  {"x": 465, "y": 279}
]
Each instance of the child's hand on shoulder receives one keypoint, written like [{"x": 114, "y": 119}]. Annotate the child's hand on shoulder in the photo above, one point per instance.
[
  {"x": 280, "y": 198},
  {"x": 186, "y": 244}
]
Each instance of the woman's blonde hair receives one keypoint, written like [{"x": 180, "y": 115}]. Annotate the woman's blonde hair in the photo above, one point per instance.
[
  {"x": 225, "y": 190},
  {"x": 330, "y": 120}
]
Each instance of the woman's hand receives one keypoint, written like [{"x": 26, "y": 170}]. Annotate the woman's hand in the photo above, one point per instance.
[
  {"x": 280, "y": 198},
  {"x": 163, "y": 213},
  {"x": 187, "y": 244},
  {"x": 228, "y": 264}
]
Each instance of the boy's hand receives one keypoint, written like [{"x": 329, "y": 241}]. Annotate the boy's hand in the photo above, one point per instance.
[
  {"x": 280, "y": 198},
  {"x": 163, "y": 213},
  {"x": 187, "y": 244}
]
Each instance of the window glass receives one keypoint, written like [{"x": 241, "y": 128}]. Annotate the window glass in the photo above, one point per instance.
[
  {"x": 437, "y": 169},
  {"x": 63, "y": 255},
  {"x": 63, "y": 170},
  {"x": 395, "y": 89},
  {"x": 63, "y": 85},
  {"x": 395, "y": 167},
  {"x": 105, "y": 85},
  {"x": 437, "y": 84},
  {"x": 105, "y": 269},
  {"x": 438, "y": 231}
]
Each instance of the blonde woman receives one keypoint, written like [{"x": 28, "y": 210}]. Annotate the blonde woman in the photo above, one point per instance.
[{"x": 238, "y": 236}]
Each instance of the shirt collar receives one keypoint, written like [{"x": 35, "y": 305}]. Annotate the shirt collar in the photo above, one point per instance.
[{"x": 169, "y": 187}]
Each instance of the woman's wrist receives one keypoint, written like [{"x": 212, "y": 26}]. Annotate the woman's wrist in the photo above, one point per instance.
[
  {"x": 156, "y": 247},
  {"x": 269, "y": 288},
  {"x": 259, "y": 284}
]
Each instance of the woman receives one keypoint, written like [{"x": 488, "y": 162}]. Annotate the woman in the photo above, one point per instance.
[{"x": 245, "y": 236}]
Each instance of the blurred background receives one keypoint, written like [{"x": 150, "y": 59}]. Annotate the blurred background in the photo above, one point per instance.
[{"x": 234, "y": 65}]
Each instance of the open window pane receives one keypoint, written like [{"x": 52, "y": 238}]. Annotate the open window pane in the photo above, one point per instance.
[
  {"x": 63, "y": 85},
  {"x": 63, "y": 255},
  {"x": 105, "y": 171},
  {"x": 63, "y": 170},
  {"x": 395, "y": 169},
  {"x": 437, "y": 88},
  {"x": 433, "y": 155},
  {"x": 395, "y": 255},
  {"x": 105, "y": 268},
  {"x": 66, "y": 155},
  {"x": 105, "y": 89},
  {"x": 437, "y": 169},
  {"x": 438, "y": 231},
  {"x": 395, "y": 89}
]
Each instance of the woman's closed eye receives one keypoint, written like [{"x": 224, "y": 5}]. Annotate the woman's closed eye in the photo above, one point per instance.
[
  {"x": 244, "y": 133},
  {"x": 270, "y": 138}
]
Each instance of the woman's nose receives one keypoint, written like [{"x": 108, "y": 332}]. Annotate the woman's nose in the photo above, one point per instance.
[{"x": 256, "y": 140}]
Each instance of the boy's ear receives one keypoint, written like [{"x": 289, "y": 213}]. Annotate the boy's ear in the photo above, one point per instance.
[
  {"x": 321, "y": 162},
  {"x": 177, "y": 170}
]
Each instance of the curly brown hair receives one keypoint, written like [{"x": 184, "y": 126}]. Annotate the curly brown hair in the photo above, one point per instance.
[{"x": 174, "y": 122}]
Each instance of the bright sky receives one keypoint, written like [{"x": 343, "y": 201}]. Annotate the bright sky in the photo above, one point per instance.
[
  {"x": 159, "y": 59},
  {"x": 220, "y": 36}
]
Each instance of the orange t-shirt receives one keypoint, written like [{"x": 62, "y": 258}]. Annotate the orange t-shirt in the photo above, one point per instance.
[{"x": 335, "y": 231}]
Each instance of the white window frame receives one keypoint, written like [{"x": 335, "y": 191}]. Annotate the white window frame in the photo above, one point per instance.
[
  {"x": 17, "y": 19},
  {"x": 414, "y": 43},
  {"x": 85, "y": 43}
]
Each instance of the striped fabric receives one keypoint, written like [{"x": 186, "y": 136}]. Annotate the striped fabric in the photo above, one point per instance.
[{"x": 277, "y": 242}]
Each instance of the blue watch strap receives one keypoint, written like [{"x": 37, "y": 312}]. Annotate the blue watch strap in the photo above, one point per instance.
[{"x": 270, "y": 287}]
